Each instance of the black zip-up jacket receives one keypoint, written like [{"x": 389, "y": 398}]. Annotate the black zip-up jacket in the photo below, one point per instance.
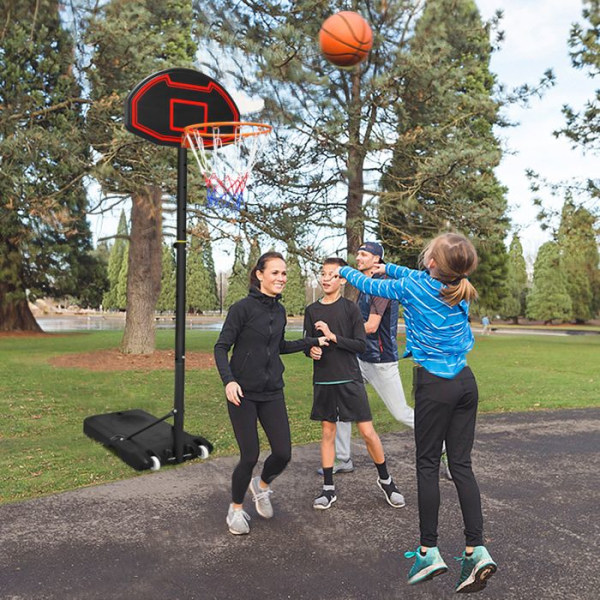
[{"x": 255, "y": 327}]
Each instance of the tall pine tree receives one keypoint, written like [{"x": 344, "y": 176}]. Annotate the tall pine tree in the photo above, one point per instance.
[
  {"x": 548, "y": 300},
  {"x": 115, "y": 263},
  {"x": 238, "y": 283},
  {"x": 294, "y": 294},
  {"x": 168, "y": 283},
  {"x": 45, "y": 240},
  {"x": 579, "y": 260},
  {"x": 513, "y": 305},
  {"x": 441, "y": 176}
]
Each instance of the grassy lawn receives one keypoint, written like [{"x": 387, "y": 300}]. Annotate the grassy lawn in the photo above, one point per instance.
[{"x": 44, "y": 450}]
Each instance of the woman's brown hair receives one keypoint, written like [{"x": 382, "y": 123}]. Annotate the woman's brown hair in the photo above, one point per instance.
[{"x": 455, "y": 259}]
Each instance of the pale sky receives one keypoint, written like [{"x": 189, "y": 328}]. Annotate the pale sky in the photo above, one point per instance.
[{"x": 536, "y": 34}]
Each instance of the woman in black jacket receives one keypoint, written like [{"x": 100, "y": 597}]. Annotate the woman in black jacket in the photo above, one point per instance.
[{"x": 253, "y": 379}]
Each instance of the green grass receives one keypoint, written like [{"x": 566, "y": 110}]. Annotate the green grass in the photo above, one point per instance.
[{"x": 43, "y": 448}]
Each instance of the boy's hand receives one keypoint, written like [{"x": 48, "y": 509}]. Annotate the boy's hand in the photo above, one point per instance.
[
  {"x": 329, "y": 336},
  {"x": 378, "y": 269},
  {"x": 234, "y": 393},
  {"x": 316, "y": 353}
]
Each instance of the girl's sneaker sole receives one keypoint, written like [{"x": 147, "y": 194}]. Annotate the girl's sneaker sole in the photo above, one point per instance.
[
  {"x": 427, "y": 574},
  {"x": 477, "y": 581}
]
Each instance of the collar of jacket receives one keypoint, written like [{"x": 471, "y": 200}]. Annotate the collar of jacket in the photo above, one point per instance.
[{"x": 258, "y": 295}]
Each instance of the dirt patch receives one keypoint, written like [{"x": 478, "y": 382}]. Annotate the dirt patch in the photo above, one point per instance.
[{"x": 113, "y": 360}]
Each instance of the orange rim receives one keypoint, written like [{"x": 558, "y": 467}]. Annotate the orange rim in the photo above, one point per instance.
[{"x": 199, "y": 129}]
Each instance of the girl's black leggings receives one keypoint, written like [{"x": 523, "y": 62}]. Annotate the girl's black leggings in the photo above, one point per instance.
[
  {"x": 274, "y": 420},
  {"x": 445, "y": 409}
]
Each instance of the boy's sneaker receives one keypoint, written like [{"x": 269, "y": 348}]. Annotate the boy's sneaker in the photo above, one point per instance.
[
  {"x": 237, "y": 520},
  {"x": 444, "y": 468},
  {"x": 326, "y": 498},
  {"x": 425, "y": 567},
  {"x": 475, "y": 570},
  {"x": 392, "y": 495},
  {"x": 261, "y": 498},
  {"x": 340, "y": 466}
]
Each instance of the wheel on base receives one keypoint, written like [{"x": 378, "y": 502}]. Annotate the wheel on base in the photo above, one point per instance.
[
  {"x": 204, "y": 452},
  {"x": 155, "y": 463}
]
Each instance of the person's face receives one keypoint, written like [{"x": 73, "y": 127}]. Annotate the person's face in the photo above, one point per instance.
[
  {"x": 365, "y": 260},
  {"x": 273, "y": 278},
  {"x": 330, "y": 281}
]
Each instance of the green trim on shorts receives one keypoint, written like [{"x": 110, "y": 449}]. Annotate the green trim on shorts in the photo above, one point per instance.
[{"x": 332, "y": 382}]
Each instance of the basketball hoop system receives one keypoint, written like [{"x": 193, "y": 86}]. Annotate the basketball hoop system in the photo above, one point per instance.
[{"x": 226, "y": 152}]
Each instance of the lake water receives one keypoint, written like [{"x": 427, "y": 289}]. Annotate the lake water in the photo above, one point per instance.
[{"x": 108, "y": 323}]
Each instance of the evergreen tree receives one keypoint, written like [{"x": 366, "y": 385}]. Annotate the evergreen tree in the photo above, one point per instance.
[
  {"x": 122, "y": 289},
  {"x": 441, "y": 177},
  {"x": 128, "y": 41},
  {"x": 93, "y": 282},
  {"x": 490, "y": 276},
  {"x": 168, "y": 283},
  {"x": 200, "y": 283},
  {"x": 44, "y": 236},
  {"x": 238, "y": 282},
  {"x": 115, "y": 263},
  {"x": 513, "y": 305},
  {"x": 548, "y": 300},
  {"x": 579, "y": 260},
  {"x": 294, "y": 294},
  {"x": 583, "y": 127}
]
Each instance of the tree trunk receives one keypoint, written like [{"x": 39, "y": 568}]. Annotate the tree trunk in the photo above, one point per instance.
[
  {"x": 15, "y": 314},
  {"x": 143, "y": 280},
  {"x": 356, "y": 156}
]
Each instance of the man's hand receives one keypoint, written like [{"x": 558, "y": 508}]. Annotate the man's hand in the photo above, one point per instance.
[
  {"x": 234, "y": 393},
  {"x": 378, "y": 269}
]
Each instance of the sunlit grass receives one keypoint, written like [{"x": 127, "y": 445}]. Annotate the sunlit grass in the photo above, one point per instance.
[{"x": 44, "y": 450}]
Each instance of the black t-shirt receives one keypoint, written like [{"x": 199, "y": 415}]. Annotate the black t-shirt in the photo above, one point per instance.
[{"x": 338, "y": 361}]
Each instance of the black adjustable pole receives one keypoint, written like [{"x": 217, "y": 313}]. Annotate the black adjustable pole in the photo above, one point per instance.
[{"x": 180, "y": 304}]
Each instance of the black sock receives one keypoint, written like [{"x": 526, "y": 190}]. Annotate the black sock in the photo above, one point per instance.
[
  {"x": 382, "y": 469},
  {"x": 328, "y": 476}
]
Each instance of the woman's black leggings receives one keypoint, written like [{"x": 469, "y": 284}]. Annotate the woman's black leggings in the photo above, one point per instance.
[
  {"x": 274, "y": 420},
  {"x": 445, "y": 410}
]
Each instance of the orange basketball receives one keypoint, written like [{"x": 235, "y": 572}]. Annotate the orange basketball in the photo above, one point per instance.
[{"x": 345, "y": 38}]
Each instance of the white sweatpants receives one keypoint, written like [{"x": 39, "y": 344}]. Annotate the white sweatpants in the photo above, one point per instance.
[{"x": 385, "y": 379}]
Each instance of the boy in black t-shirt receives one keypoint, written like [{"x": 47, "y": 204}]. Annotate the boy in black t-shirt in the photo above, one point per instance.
[{"x": 339, "y": 391}]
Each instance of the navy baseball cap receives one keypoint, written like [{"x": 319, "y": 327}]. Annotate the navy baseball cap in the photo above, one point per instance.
[{"x": 373, "y": 248}]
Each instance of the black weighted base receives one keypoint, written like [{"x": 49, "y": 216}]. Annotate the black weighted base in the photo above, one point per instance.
[{"x": 143, "y": 441}]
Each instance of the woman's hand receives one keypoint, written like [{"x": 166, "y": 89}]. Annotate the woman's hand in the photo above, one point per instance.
[
  {"x": 323, "y": 341},
  {"x": 316, "y": 353},
  {"x": 234, "y": 393},
  {"x": 378, "y": 269}
]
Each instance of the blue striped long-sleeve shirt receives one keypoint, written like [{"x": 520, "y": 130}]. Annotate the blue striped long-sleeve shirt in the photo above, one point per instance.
[{"x": 438, "y": 336}]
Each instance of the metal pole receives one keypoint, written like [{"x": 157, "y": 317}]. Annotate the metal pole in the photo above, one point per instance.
[{"x": 180, "y": 303}]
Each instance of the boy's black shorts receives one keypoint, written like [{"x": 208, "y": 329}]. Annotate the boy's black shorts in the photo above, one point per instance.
[{"x": 341, "y": 402}]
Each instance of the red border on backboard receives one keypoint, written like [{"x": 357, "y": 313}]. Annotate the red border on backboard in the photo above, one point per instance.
[{"x": 166, "y": 78}]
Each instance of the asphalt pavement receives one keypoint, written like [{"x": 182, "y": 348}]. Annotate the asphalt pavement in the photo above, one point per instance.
[{"x": 162, "y": 536}]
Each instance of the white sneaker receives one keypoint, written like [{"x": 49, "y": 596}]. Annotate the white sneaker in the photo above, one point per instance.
[
  {"x": 261, "y": 498},
  {"x": 237, "y": 520}
]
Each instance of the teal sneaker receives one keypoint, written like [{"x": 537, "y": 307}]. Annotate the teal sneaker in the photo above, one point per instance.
[
  {"x": 476, "y": 570},
  {"x": 425, "y": 567}
]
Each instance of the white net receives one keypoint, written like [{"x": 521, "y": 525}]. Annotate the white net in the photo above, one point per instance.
[{"x": 226, "y": 154}]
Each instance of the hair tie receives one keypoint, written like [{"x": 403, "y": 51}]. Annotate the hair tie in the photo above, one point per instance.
[{"x": 457, "y": 280}]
